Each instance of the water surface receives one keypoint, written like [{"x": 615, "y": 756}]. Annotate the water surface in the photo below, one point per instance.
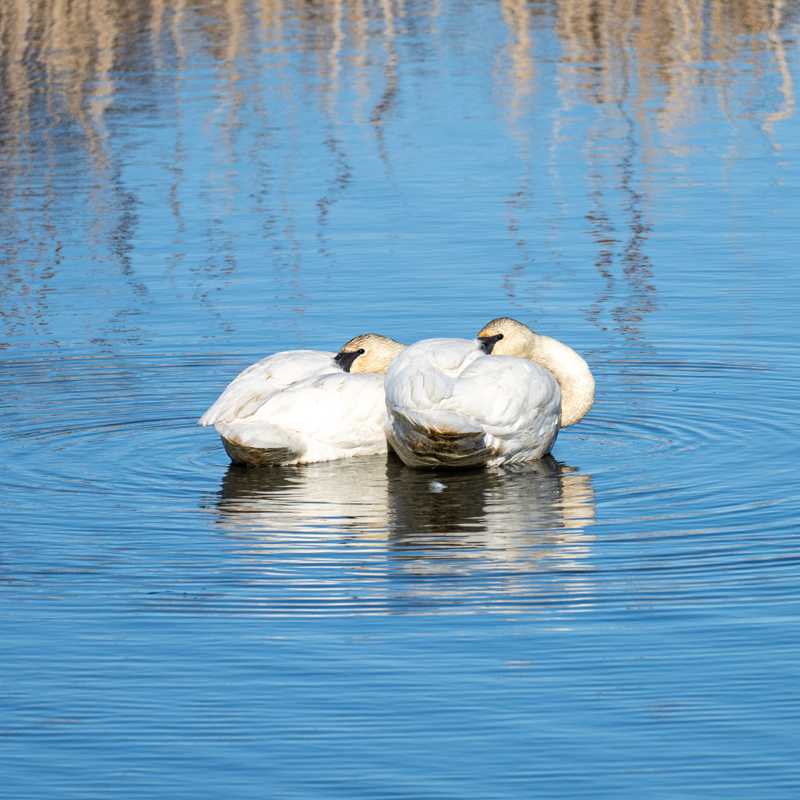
[{"x": 187, "y": 187}]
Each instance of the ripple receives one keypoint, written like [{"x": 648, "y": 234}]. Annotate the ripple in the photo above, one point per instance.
[
  {"x": 181, "y": 178},
  {"x": 659, "y": 469}
]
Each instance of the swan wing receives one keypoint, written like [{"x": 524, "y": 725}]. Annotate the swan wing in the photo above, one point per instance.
[
  {"x": 504, "y": 395},
  {"x": 332, "y": 415},
  {"x": 421, "y": 381},
  {"x": 254, "y": 385},
  {"x": 515, "y": 401},
  {"x": 451, "y": 404},
  {"x": 426, "y": 425}
]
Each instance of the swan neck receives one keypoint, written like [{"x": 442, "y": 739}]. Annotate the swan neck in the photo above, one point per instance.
[{"x": 572, "y": 373}]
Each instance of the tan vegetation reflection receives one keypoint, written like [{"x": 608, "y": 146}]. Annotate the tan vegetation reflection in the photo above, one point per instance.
[
  {"x": 67, "y": 50},
  {"x": 668, "y": 51},
  {"x": 510, "y": 525},
  {"x": 646, "y": 66}
]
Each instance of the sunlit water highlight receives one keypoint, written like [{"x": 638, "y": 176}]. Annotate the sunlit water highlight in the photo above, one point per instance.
[{"x": 187, "y": 187}]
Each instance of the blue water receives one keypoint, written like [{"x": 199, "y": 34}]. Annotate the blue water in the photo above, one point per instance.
[{"x": 189, "y": 187}]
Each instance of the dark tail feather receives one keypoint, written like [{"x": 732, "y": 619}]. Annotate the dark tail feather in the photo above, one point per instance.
[
  {"x": 257, "y": 456},
  {"x": 420, "y": 445}
]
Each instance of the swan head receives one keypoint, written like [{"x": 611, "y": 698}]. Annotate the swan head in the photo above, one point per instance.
[
  {"x": 507, "y": 337},
  {"x": 368, "y": 352}
]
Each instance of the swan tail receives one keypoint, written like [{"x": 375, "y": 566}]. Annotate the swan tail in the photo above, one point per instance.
[
  {"x": 261, "y": 446},
  {"x": 230, "y": 406},
  {"x": 447, "y": 441},
  {"x": 223, "y": 409},
  {"x": 211, "y": 417}
]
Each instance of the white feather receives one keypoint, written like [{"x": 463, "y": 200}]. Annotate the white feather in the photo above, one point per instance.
[
  {"x": 299, "y": 407},
  {"x": 450, "y": 404},
  {"x": 252, "y": 386}
]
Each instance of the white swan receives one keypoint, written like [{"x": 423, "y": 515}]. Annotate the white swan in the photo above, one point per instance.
[
  {"x": 301, "y": 406},
  {"x": 498, "y": 400}
]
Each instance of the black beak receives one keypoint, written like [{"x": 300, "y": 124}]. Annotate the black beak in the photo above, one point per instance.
[
  {"x": 488, "y": 342},
  {"x": 345, "y": 359}
]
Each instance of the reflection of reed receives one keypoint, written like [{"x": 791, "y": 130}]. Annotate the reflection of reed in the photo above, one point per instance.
[
  {"x": 389, "y": 96},
  {"x": 69, "y": 50},
  {"x": 58, "y": 76},
  {"x": 667, "y": 47},
  {"x": 518, "y": 15},
  {"x": 623, "y": 58},
  {"x": 644, "y": 51},
  {"x": 519, "y": 57},
  {"x": 787, "y": 107},
  {"x": 343, "y": 171},
  {"x": 626, "y": 248},
  {"x": 64, "y": 64}
]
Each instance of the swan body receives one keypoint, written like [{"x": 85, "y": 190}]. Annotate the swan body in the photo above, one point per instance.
[
  {"x": 334, "y": 415},
  {"x": 260, "y": 381},
  {"x": 302, "y": 406},
  {"x": 455, "y": 403},
  {"x": 452, "y": 405}
]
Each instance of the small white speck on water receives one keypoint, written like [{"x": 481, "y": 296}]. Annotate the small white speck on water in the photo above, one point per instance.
[{"x": 437, "y": 486}]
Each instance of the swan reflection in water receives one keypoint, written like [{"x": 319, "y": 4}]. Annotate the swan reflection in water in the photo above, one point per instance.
[{"x": 314, "y": 530}]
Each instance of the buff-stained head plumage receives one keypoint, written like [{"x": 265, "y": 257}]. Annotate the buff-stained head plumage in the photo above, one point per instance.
[
  {"x": 508, "y": 337},
  {"x": 511, "y": 338},
  {"x": 377, "y": 352}
]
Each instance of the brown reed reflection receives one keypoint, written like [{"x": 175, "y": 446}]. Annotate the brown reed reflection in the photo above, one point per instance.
[
  {"x": 626, "y": 59},
  {"x": 665, "y": 49},
  {"x": 644, "y": 67},
  {"x": 66, "y": 51},
  {"x": 59, "y": 67}
]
